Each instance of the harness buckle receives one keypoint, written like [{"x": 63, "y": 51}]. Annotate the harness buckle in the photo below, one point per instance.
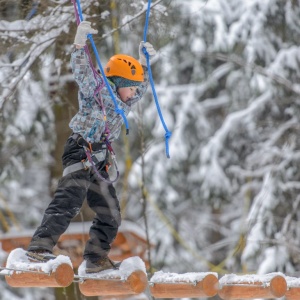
[
  {"x": 97, "y": 156},
  {"x": 86, "y": 164},
  {"x": 77, "y": 141}
]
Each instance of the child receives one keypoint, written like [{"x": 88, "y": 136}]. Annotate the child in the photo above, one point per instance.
[{"x": 128, "y": 79}]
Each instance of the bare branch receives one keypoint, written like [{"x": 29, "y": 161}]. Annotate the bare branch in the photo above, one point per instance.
[
  {"x": 104, "y": 36},
  {"x": 33, "y": 55}
]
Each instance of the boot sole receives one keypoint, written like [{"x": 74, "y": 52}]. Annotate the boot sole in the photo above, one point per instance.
[{"x": 93, "y": 271}]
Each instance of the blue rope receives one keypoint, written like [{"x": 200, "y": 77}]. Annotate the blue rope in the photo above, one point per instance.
[
  {"x": 33, "y": 10},
  {"x": 117, "y": 109},
  {"x": 168, "y": 133},
  {"x": 147, "y": 21}
]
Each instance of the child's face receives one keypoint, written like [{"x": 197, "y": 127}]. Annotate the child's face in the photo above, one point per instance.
[{"x": 126, "y": 93}]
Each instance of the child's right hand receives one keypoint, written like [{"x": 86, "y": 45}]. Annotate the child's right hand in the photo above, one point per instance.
[
  {"x": 83, "y": 29},
  {"x": 150, "y": 50}
]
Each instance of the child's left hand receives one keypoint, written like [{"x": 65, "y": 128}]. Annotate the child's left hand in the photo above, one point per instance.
[
  {"x": 83, "y": 29},
  {"x": 150, "y": 50}
]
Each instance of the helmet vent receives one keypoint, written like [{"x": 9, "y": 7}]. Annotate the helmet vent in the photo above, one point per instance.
[{"x": 133, "y": 69}]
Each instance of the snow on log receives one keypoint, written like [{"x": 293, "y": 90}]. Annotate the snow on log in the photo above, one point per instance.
[
  {"x": 188, "y": 285},
  {"x": 130, "y": 279},
  {"x": 293, "y": 288},
  {"x": 23, "y": 273},
  {"x": 266, "y": 286}
]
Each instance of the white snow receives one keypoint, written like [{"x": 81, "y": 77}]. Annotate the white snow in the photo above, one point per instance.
[
  {"x": 127, "y": 267},
  {"x": 292, "y": 282},
  {"x": 191, "y": 277},
  {"x": 18, "y": 260},
  {"x": 248, "y": 278}
]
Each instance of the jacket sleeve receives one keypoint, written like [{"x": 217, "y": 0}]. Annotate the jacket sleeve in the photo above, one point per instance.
[{"x": 83, "y": 73}]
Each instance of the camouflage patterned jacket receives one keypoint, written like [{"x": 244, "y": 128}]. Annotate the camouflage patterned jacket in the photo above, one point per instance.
[{"x": 89, "y": 121}]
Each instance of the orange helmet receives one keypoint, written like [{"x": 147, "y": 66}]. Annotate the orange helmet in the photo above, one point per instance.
[{"x": 124, "y": 66}]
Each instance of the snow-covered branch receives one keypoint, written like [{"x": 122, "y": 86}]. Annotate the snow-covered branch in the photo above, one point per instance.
[{"x": 233, "y": 58}]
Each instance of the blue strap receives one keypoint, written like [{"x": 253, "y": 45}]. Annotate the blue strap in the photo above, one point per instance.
[
  {"x": 168, "y": 133},
  {"x": 117, "y": 109}
]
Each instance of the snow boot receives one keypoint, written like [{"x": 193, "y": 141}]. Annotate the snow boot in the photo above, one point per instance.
[
  {"x": 40, "y": 255},
  {"x": 102, "y": 264}
]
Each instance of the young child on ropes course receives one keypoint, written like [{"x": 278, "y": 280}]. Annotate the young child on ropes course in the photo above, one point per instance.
[{"x": 92, "y": 134}]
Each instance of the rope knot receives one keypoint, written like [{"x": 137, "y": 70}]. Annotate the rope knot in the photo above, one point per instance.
[{"x": 168, "y": 135}]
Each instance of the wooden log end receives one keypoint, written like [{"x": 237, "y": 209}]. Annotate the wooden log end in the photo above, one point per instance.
[
  {"x": 278, "y": 286},
  {"x": 138, "y": 281},
  {"x": 210, "y": 285},
  {"x": 64, "y": 275}
]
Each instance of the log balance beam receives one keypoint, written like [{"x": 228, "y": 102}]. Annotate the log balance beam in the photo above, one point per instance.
[
  {"x": 233, "y": 287},
  {"x": 62, "y": 276},
  {"x": 21, "y": 272},
  {"x": 129, "y": 279},
  {"x": 135, "y": 283},
  {"x": 188, "y": 285}
]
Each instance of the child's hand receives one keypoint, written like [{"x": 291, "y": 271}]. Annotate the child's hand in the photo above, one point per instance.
[
  {"x": 149, "y": 49},
  {"x": 84, "y": 28}
]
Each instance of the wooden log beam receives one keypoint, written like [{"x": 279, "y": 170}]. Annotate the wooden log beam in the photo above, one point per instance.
[
  {"x": 266, "y": 286},
  {"x": 293, "y": 293},
  {"x": 189, "y": 285},
  {"x": 22, "y": 272},
  {"x": 293, "y": 290},
  {"x": 135, "y": 283},
  {"x": 62, "y": 276}
]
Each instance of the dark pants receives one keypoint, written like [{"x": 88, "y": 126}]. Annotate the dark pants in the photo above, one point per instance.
[{"x": 66, "y": 204}]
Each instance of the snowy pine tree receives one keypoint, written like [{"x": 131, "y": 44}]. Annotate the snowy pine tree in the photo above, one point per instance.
[{"x": 230, "y": 95}]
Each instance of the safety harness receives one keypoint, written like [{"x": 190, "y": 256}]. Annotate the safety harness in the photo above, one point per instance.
[{"x": 96, "y": 153}]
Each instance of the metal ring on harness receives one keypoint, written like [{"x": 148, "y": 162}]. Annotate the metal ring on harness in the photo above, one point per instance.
[{"x": 80, "y": 145}]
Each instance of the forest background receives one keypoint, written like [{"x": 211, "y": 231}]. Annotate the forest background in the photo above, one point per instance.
[{"x": 227, "y": 77}]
